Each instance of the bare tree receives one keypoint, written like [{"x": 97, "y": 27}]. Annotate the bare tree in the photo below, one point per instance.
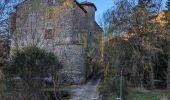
[{"x": 139, "y": 52}]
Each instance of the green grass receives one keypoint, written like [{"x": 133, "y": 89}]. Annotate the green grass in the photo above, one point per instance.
[
  {"x": 150, "y": 95},
  {"x": 147, "y": 95}
]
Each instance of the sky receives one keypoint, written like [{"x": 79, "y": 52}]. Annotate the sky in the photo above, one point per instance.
[{"x": 102, "y": 6}]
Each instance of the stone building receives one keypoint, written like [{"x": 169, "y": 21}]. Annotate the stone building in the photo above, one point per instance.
[{"x": 65, "y": 27}]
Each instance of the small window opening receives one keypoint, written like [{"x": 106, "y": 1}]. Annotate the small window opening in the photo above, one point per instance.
[
  {"x": 90, "y": 33},
  {"x": 48, "y": 34}
]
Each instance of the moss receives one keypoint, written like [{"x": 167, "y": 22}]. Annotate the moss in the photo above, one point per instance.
[
  {"x": 84, "y": 39},
  {"x": 53, "y": 12},
  {"x": 69, "y": 3}
]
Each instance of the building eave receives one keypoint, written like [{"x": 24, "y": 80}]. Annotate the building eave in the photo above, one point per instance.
[
  {"x": 99, "y": 26},
  {"x": 80, "y": 6},
  {"x": 88, "y": 4},
  {"x": 21, "y": 3}
]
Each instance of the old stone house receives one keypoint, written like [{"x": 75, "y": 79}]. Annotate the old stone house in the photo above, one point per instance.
[{"x": 65, "y": 27}]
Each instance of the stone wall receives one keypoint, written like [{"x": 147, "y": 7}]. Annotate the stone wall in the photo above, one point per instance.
[
  {"x": 66, "y": 23},
  {"x": 72, "y": 57}
]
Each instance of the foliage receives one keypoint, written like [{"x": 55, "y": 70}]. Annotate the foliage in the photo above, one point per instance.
[
  {"x": 3, "y": 21},
  {"x": 111, "y": 86},
  {"x": 69, "y": 3},
  {"x": 84, "y": 38},
  {"x": 149, "y": 95},
  {"x": 53, "y": 12},
  {"x": 29, "y": 66},
  {"x": 145, "y": 95},
  {"x": 168, "y": 4},
  {"x": 31, "y": 62},
  {"x": 135, "y": 42},
  {"x": 4, "y": 54},
  {"x": 4, "y": 51},
  {"x": 6, "y": 6},
  {"x": 108, "y": 87}
]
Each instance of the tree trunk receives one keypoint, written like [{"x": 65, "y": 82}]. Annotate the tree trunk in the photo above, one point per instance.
[
  {"x": 151, "y": 76},
  {"x": 168, "y": 71},
  {"x": 168, "y": 75},
  {"x": 134, "y": 75}
]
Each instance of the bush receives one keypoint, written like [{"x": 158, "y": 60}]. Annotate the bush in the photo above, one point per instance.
[
  {"x": 29, "y": 66},
  {"x": 108, "y": 87},
  {"x": 32, "y": 62},
  {"x": 111, "y": 86}
]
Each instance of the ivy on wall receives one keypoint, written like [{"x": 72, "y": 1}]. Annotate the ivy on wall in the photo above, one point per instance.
[
  {"x": 69, "y": 3},
  {"x": 52, "y": 13},
  {"x": 84, "y": 38}
]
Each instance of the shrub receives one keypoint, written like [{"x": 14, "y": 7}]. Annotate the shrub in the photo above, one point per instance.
[
  {"x": 30, "y": 65},
  {"x": 111, "y": 86}
]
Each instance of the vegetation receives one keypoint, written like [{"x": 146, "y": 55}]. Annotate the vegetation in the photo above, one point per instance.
[
  {"x": 168, "y": 4},
  {"x": 31, "y": 62},
  {"x": 137, "y": 43},
  {"x": 27, "y": 71},
  {"x": 150, "y": 95},
  {"x": 111, "y": 87},
  {"x": 4, "y": 54},
  {"x": 145, "y": 95}
]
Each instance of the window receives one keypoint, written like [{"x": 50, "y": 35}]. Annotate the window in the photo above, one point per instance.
[
  {"x": 90, "y": 33},
  {"x": 48, "y": 34}
]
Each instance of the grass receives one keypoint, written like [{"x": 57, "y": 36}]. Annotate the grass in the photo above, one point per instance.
[
  {"x": 147, "y": 95},
  {"x": 150, "y": 95}
]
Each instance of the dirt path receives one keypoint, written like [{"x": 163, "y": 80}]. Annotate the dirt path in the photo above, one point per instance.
[
  {"x": 88, "y": 91},
  {"x": 164, "y": 98}
]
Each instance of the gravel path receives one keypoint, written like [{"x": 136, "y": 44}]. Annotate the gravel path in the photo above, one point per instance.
[{"x": 88, "y": 91}]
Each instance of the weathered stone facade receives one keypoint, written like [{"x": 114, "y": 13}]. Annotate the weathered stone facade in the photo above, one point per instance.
[{"x": 65, "y": 27}]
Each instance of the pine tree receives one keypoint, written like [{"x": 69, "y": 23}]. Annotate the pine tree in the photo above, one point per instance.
[
  {"x": 144, "y": 2},
  {"x": 168, "y": 4}
]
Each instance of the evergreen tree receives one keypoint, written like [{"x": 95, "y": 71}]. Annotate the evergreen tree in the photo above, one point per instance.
[
  {"x": 151, "y": 5},
  {"x": 168, "y": 4},
  {"x": 144, "y": 2}
]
